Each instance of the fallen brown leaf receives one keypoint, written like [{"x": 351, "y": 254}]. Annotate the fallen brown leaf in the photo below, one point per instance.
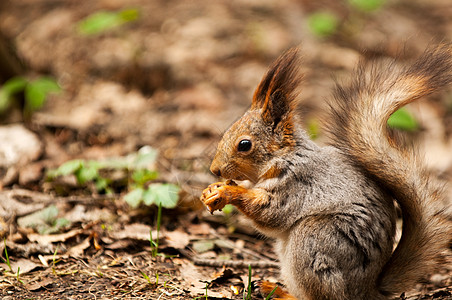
[
  {"x": 134, "y": 231},
  {"x": 46, "y": 239},
  {"x": 24, "y": 264},
  {"x": 190, "y": 274},
  {"x": 199, "y": 229},
  {"x": 177, "y": 239},
  {"x": 77, "y": 251},
  {"x": 40, "y": 284}
]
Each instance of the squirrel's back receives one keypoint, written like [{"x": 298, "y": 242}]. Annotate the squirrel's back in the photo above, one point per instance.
[{"x": 359, "y": 128}]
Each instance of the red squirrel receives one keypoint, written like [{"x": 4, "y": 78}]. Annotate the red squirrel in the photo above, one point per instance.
[{"x": 332, "y": 209}]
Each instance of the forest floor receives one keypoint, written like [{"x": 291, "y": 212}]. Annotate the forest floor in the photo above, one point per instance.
[{"x": 161, "y": 86}]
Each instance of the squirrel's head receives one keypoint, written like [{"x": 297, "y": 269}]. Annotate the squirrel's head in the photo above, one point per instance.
[{"x": 267, "y": 129}]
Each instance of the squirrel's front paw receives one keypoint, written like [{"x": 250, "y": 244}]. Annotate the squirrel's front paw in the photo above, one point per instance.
[{"x": 215, "y": 197}]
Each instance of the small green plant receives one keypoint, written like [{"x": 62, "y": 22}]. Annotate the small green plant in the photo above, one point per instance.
[
  {"x": 102, "y": 21},
  {"x": 141, "y": 191},
  {"x": 247, "y": 293},
  {"x": 54, "y": 261},
  {"x": 165, "y": 194},
  {"x": 18, "y": 276},
  {"x": 403, "y": 120},
  {"x": 323, "y": 23},
  {"x": 313, "y": 128},
  {"x": 8, "y": 263},
  {"x": 99, "y": 272},
  {"x": 145, "y": 276},
  {"x": 84, "y": 171},
  {"x": 205, "y": 296},
  {"x": 155, "y": 243},
  {"x": 45, "y": 221},
  {"x": 271, "y": 293},
  {"x": 156, "y": 278},
  {"x": 367, "y": 5},
  {"x": 35, "y": 93},
  {"x": 136, "y": 167}
]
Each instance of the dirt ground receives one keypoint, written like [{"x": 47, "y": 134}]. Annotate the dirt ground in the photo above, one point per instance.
[{"x": 174, "y": 79}]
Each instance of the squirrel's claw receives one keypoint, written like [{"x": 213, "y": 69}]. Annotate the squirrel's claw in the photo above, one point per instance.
[{"x": 213, "y": 197}]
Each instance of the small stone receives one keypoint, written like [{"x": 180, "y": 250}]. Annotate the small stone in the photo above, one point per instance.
[
  {"x": 438, "y": 279},
  {"x": 30, "y": 173},
  {"x": 18, "y": 145}
]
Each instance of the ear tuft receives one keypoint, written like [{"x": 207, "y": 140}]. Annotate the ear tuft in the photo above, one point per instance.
[{"x": 277, "y": 93}]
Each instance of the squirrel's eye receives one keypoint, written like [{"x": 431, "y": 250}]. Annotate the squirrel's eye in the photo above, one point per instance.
[{"x": 244, "y": 145}]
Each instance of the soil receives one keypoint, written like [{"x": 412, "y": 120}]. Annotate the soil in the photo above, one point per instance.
[{"x": 174, "y": 79}]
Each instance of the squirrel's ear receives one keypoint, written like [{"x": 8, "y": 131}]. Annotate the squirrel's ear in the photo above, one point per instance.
[{"x": 277, "y": 93}]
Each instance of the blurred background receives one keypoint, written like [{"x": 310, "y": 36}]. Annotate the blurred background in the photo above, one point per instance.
[
  {"x": 108, "y": 77},
  {"x": 126, "y": 100}
]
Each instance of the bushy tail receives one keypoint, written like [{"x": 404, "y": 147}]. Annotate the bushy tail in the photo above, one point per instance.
[{"x": 359, "y": 128}]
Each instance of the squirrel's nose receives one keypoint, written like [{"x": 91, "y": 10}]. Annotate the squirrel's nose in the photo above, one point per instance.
[{"x": 215, "y": 170}]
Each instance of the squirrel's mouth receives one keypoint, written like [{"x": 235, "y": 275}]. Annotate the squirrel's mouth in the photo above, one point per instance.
[
  {"x": 232, "y": 173},
  {"x": 242, "y": 177}
]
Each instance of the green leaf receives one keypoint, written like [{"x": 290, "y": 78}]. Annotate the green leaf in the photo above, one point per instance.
[
  {"x": 116, "y": 163},
  {"x": 166, "y": 194},
  {"x": 149, "y": 197},
  {"x": 145, "y": 158},
  {"x": 141, "y": 176},
  {"x": 87, "y": 173},
  {"x": 9, "y": 88},
  {"x": 104, "y": 20},
  {"x": 323, "y": 24},
  {"x": 57, "y": 225},
  {"x": 99, "y": 22},
  {"x": 228, "y": 208},
  {"x": 40, "y": 220},
  {"x": 48, "y": 214},
  {"x": 367, "y": 5},
  {"x": 36, "y": 92},
  {"x": 69, "y": 167},
  {"x": 129, "y": 15},
  {"x": 134, "y": 197},
  {"x": 101, "y": 184},
  {"x": 403, "y": 120},
  {"x": 313, "y": 128}
]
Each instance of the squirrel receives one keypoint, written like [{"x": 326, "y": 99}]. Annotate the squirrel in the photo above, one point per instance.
[{"x": 331, "y": 209}]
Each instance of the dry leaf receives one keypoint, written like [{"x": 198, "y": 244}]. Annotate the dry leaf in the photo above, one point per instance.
[
  {"x": 77, "y": 251},
  {"x": 199, "y": 229},
  {"x": 134, "y": 231},
  {"x": 203, "y": 246},
  {"x": 46, "y": 239},
  {"x": 223, "y": 275},
  {"x": 24, "y": 264},
  {"x": 177, "y": 239},
  {"x": 40, "y": 284},
  {"x": 121, "y": 244},
  {"x": 190, "y": 274}
]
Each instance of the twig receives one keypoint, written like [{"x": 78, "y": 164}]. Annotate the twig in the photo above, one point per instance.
[
  {"x": 48, "y": 198},
  {"x": 235, "y": 263},
  {"x": 441, "y": 293}
]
